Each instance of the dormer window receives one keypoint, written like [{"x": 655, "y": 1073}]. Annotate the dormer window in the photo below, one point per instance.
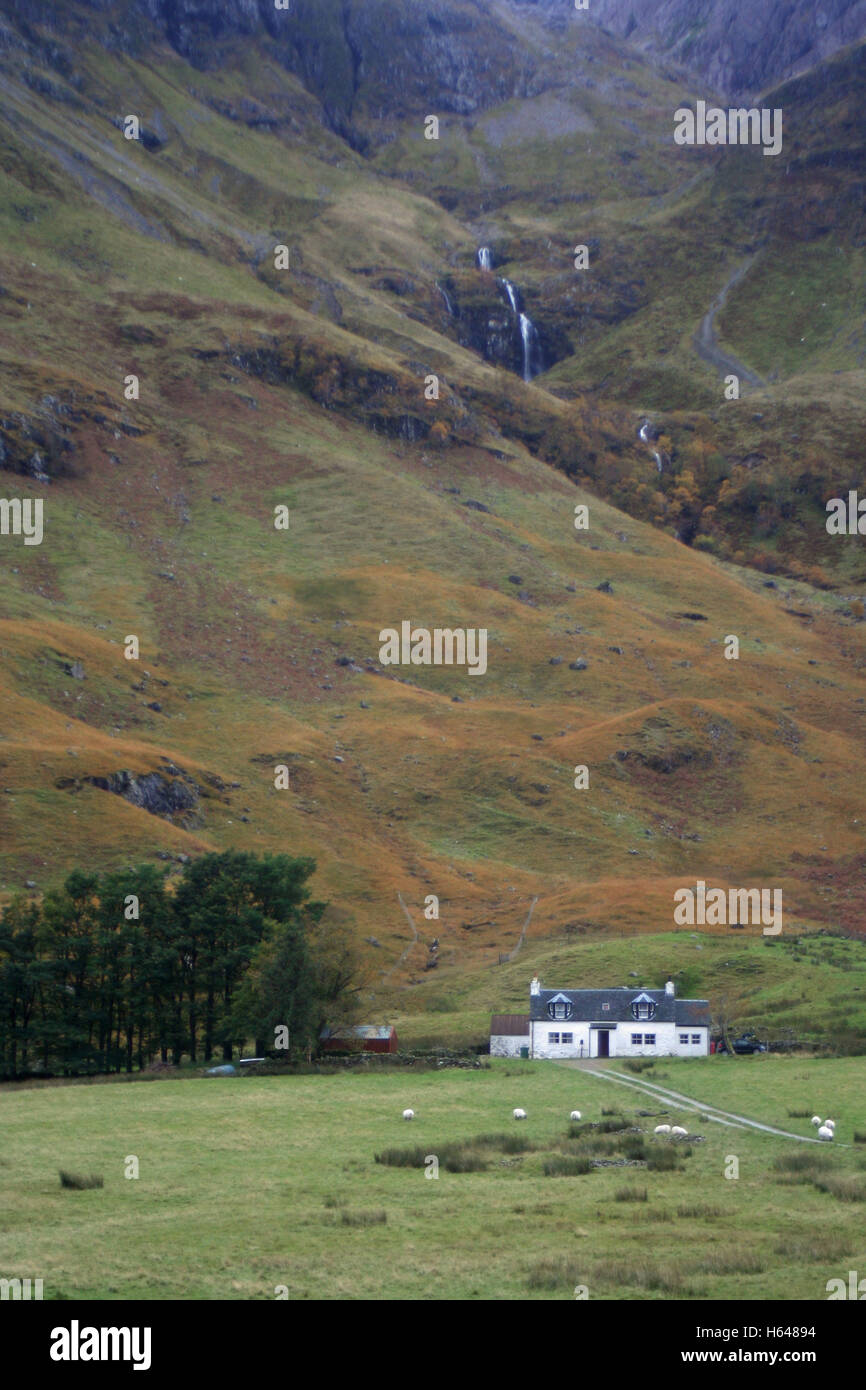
[
  {"x": 643, "y": 1008},
  {"x": 559, "y": 1007}
]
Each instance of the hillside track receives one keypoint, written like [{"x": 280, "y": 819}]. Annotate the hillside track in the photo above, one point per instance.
[
  {"x": 678, "y": 1101},
  {"x": 705, "y": 341}
]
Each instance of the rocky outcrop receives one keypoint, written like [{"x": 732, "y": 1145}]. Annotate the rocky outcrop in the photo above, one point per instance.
[{"x": 174, "y": 798}]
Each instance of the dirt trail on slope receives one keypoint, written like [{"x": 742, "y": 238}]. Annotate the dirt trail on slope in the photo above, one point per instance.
[
  {"x": 680, "y": 1102},
  {"x": 705, "y": 342}
]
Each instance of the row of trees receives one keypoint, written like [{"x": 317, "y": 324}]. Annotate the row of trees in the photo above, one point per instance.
[{"x": 112, "y": 971}]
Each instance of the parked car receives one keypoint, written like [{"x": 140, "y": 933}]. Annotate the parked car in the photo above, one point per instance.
[{"x": 744, "y": 1045}]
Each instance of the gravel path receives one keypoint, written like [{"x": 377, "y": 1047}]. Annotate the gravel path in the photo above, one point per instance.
[
  {"x": 678, "y": 1101},
  {"x": 705, "y": 342}
]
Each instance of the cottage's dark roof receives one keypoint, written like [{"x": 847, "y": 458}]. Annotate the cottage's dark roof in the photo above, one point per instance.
[
  {"x": 693, "y": 1011},
  {"x": 509, "y": 1025},
  {"x": 588, "y": 1006}
]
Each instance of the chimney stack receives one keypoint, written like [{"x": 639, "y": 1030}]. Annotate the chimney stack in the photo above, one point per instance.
[
  {"x": 670, "y": 988},
  {"x": 535, "y": 986}
]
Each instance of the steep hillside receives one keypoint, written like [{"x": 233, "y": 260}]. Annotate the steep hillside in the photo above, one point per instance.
[
  {"x": 306, "y": 387},
  {"x": 740, "y": 47}
]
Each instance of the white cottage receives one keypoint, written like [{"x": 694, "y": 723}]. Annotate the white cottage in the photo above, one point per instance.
[{"x": 616, "y": 1023}]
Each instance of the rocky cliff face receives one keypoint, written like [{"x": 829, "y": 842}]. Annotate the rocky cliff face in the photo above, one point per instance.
[
  {"x": 739, "y": 46},
  {"x": 363, "y": 59}
]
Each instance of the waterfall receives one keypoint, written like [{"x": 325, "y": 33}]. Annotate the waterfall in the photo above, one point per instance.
[
  {"x": 528, "y": 334},
  {"x": 512, "y": 297},
  {"x": 448, "y": 305},
  {"x": 643, "y": 435},
  {"x": 528, "y": 331}
]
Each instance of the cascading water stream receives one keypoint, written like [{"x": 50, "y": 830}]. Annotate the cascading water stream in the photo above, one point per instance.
[
  {"x": 528, "y": 335},
  {"x": 448, "y": 305},
  {"x": 644, "y": 436},
  {"x": 528, "y": 331},
  {"x": 512, "y": 297}
]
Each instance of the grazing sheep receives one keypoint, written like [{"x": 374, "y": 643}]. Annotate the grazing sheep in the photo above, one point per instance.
[
  {"x": 825, "y": 1133},
  {"x": 520, "y": 1114},
  {"x": 408, "y": 1114},
  {"x": 575, "y": 1115},
  {"x": 679, "y": 1132},
  {"x": 662, "y": 1129},
  {"x": 816, "y": 1120},
  {"x": 831, "y": 1124}
]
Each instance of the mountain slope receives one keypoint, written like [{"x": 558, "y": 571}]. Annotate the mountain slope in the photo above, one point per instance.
[{"x": 305, "y": 388}]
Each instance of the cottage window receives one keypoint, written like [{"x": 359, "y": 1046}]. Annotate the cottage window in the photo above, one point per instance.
[
  {"x": 649, "y": 1039},
  {"x": 567, "y": 1038},
  {"x": 696, "y": 1037},
  {"x": 559, "y": 1009},
  {"x": 553, "y": 1039},
  {"x": 684, "y": 1037},
  {"x": 643, "y": 1008},
  {"x": 605, "y": 1008},
  {"x": 637, "y": 1039}
]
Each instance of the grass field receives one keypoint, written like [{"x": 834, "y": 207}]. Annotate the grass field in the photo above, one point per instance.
[{"x": 251, "y": 1184}]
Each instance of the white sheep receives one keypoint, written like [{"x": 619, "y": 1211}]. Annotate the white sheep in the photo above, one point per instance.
[
  {"x": 575, "y": 1115},
  {"x": 520, "y": 1114},
  {"x": 679, "y": 1132},
  {"x": 408, "y": 1114},
  {"x": 831, "y": 1124},
  {"x": 816, "y": 1120},
  {"x": 662, "y": 1129},
  {"x": 825, "y": 1132}
]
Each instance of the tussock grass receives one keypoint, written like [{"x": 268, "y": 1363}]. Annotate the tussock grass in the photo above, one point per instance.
[
  {"x": 604, "y": 1145},
  {"x": 666, "y": 1160},
  {"x": 363, "y": 1218},
  {"x": 845, "y": 1187},
  {"x": 404, "y": 1158},
  {"x": 700, "y": 1211},
  {"x": 638, "y": 1064},
  {"x": 635, "y": 1274},
  {"x": 80, "y": 1182},
  {"x": 803, "y": 1165},
  {"x": 631, "y": 1194},
  {"x": 459, "y": 1155},
  {"x": 506, "y": 1143},
  {"x": 555, "y": 1272},
  {"x": 726, "y": 1261},
  {"x": 566, "y": 1166},
  {"x": 814, "y": 1246}
]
